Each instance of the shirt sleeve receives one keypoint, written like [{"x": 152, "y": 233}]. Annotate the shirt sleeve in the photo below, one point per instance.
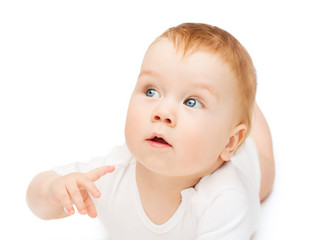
[{"x": 227, "y": 218}]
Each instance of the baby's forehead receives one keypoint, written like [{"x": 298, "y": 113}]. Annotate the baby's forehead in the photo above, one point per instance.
[
  {"x": 164, "y": 58},
  {"x": 163, "y": 47},
  {"x": 182, "y": 47},
  {"x": 184, "y": 53},
  {"x": 180, "y": 51}
]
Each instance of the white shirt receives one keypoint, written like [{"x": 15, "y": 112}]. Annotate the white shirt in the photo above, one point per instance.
[{"x": 224, "y": 205}]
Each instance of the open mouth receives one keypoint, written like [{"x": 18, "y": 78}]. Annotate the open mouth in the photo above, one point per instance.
[{"x": 158, "y": 142}]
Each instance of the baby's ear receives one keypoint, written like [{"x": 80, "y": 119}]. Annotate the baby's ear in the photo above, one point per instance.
[{"x": 234, "y": 142}]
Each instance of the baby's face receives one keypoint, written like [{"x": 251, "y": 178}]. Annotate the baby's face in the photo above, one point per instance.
[{"x": 180, "y": 115}]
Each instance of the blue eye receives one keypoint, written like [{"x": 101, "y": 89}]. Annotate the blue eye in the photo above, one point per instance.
[
  {"x": 193, "y": 103},
  {"x": 152, "y": 93}
]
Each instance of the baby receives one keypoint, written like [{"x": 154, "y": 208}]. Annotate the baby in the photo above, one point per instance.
[{"x": 188, "y": 169}]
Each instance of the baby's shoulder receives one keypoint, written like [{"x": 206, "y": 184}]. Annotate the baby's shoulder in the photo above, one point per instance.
[
  {"x": 226, "y": 196},
  {"x": 224, "y": 181},
  {"x": 224, "y": 189},
  {"x": 240, "y": 175}
]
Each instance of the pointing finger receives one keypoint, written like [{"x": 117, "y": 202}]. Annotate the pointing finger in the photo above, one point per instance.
[
  {"x": 95, "y": 174},
  {"x": 89, "y": 185}
]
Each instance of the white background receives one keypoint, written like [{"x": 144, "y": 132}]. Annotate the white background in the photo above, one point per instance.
[{"x": 67, "y": 69}]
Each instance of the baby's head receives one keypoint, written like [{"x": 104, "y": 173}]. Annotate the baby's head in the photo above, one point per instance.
[{"x": 192, "y": 105}]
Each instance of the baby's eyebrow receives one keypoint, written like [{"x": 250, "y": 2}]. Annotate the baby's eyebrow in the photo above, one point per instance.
[
  {"x": 148, "y": 72},
  {"x": 206, "y": 87}
]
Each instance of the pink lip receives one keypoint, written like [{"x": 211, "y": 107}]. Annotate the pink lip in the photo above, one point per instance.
[{"x": 158, "y": 141}]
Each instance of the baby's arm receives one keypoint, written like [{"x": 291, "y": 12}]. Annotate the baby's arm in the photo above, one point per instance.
[
  {"x": 51, "y": 196},
  {"x": 261, "y": 135}
]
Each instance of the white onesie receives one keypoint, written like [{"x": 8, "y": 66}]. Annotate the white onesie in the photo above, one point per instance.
[{"x": 224, "y": 205}]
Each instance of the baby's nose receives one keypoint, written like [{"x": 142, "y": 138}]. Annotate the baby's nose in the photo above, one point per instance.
[{"x": 165, "y": 117}]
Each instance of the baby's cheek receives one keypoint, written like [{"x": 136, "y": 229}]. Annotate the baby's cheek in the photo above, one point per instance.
[
  {"x": 133, "y": 126},
  {"x": 199, "y": 145},
  {"x": 129, "y": 130}
]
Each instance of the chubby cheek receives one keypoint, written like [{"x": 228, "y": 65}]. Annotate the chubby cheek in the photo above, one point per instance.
[
  {"x": 133, "y": 126},
  {"x": 130, "y": 126},
  {"x": 199, "y": 146}
]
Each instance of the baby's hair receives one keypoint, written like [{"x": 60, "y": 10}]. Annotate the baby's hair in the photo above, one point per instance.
[{"x": 192, "y": 37}]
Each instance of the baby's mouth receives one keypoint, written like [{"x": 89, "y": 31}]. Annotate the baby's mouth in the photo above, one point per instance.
[{"x": 159, "y": 141}]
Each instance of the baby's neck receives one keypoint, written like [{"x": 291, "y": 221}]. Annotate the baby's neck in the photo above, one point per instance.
[
  {"x": 163, "y": 184},
  {"x": 160, "y": 195}
]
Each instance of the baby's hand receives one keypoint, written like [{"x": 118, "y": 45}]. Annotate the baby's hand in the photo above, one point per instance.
[{"x": 75, "y": 188}]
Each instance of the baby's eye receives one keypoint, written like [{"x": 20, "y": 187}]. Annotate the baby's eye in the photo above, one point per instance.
[
  {"x": 193, "y": 103},
  {"x": 152, "y": 93}
]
